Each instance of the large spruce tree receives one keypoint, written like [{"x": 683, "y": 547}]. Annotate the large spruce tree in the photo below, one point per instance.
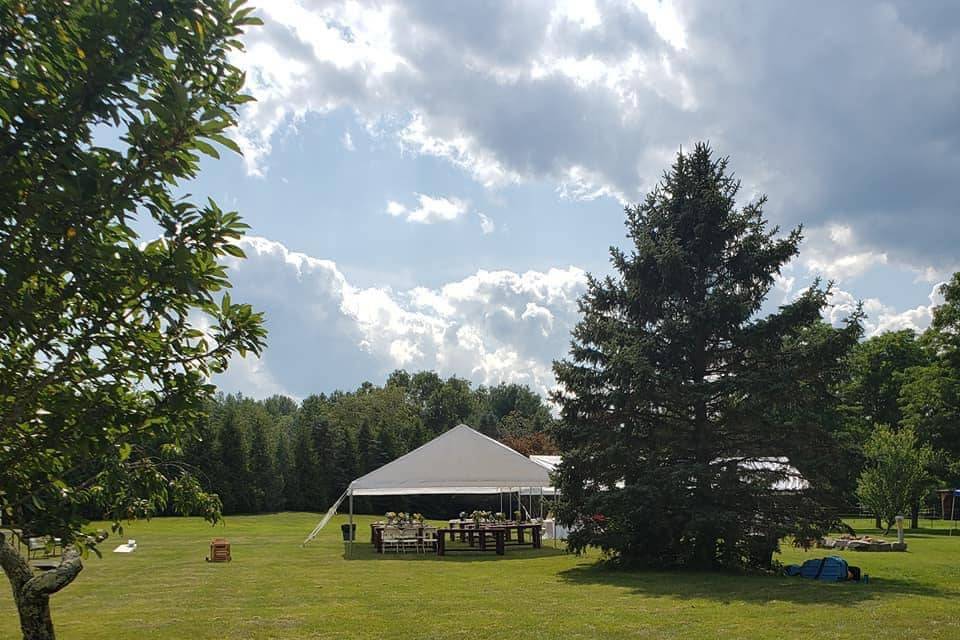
[{"x": 677, "y": 392}]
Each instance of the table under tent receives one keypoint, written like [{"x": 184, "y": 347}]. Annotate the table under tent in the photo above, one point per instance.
[{"x": 461, "y": 461}]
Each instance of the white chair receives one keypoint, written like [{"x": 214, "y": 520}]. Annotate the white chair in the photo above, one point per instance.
[
  {"x": 409, "y": 539},
  {"x": 390, "y": 537},
  {"x": 429, "y": 539},
  {"x": 37, "y": 547}
]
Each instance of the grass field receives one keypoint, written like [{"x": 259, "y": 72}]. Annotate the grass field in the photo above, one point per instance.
[{"x": 276, "y": 589}]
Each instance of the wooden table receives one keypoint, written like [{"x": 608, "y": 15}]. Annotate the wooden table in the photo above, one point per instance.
[
  {"x": 464, "y": 528},
  {"x": 376, "y": 533},
  {"x": 536, "y": 533},
  {"x": 467, "y": 534},
  {"x": 481, "y": 534},
  {"x": 464, "y": 525}
]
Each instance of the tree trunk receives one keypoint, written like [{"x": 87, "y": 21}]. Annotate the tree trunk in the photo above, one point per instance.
[
  {"x": 705, "y": 546},
  {"x": 31, "y": 593},
  {"x": 915, "y": 516},
  {"x": 878, "y": 523}
]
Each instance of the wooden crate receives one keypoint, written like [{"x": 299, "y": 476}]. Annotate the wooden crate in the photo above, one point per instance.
[{"x": 219, "y": 551}]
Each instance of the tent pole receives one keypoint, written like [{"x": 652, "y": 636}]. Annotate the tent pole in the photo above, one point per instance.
[
  {"x": 953, "y": 511},
  {"x": 556, "y": 501},
  {"x": 350, "y": 526}
]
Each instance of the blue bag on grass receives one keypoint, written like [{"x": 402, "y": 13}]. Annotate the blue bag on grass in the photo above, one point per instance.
[{"x": 829, "y": 569}]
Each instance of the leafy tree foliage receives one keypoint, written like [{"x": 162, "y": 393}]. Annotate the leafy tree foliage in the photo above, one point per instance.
[
  {"x": 306, "y": 478},
  {"x": 877, "y": 367},
  {"x": 675, "y": 388},
  {"x": 944, "y": 332},
  {"x": 277, "y": 454},
  {"x": 266, "y": 486},
  {"x": 897, "y": 472},
  {"x": 930, "y": 395},
  {"x": 344, "y": 460},
  {"x": 234, "y": 447},
  {"x": 930, "y": 401},
  {"x": 365, "y": 449},
  {"x": 448, "y": 405},
  {"x": 387, "y": 448},
  {"x": 105, "y": 107},
  {"x": 871, "y": 392}
]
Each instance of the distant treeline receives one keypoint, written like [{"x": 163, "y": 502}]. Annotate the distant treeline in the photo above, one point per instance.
[{"x": 277, "y": 454}]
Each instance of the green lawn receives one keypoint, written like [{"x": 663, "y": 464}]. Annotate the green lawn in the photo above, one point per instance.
[{"x": 275, "y": 589}]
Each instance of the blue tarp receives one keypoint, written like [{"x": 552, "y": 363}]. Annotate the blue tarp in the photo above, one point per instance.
[{"x": 829, "y": 569}]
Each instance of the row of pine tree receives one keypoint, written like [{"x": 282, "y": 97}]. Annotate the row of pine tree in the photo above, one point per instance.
[{"x": 277, "y": 454}]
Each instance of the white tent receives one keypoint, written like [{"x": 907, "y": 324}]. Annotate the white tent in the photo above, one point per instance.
[
  {"x": 789, "y": 479},
  {"x": 549, "y": 463},
  {"x": 460, "y": 461}
]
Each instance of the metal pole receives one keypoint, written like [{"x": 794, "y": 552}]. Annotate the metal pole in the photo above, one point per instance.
[
  {"x": 953, "y": 511},
  {"x": 350, "y": 526},
  {"x": 556, "y": 500}
]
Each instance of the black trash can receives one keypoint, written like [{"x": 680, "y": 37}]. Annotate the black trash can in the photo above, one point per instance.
[{"x": 345, "y": 530}]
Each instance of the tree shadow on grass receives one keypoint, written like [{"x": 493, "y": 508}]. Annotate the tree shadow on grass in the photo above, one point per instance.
[
  {"x": 755, "y": 589},
  {"x": 366, "y": 552}
]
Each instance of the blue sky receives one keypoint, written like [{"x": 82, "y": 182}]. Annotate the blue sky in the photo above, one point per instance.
[{"x": 428, "y": 183}]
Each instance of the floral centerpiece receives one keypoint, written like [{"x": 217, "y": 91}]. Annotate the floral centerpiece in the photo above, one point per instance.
[
  {"x": 499, "y": 516},
  {"x": 518, "y": 516},
  {"x": 401, "y": 518},
  {"x": 479, "y": 517}
]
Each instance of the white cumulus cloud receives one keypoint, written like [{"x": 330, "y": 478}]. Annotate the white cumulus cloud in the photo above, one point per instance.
[
  {"x": 882, "y": 317},
  {"x": 487, "y": 225},
  {"x": 327, "y": 333},
  {"x": 595, "y": 96},
  {"x": 429, "y": 209}
]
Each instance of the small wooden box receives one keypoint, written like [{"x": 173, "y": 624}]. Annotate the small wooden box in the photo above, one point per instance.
[{"x": 219, "y": 551}]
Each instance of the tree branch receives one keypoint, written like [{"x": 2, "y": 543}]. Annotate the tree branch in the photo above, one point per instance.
[
  {"x": 13, "y": 564},
  {"x": 49, "y": 582}
]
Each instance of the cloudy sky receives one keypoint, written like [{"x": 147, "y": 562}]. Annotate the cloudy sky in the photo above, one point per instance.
[{"x": 429, "y": 182}]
